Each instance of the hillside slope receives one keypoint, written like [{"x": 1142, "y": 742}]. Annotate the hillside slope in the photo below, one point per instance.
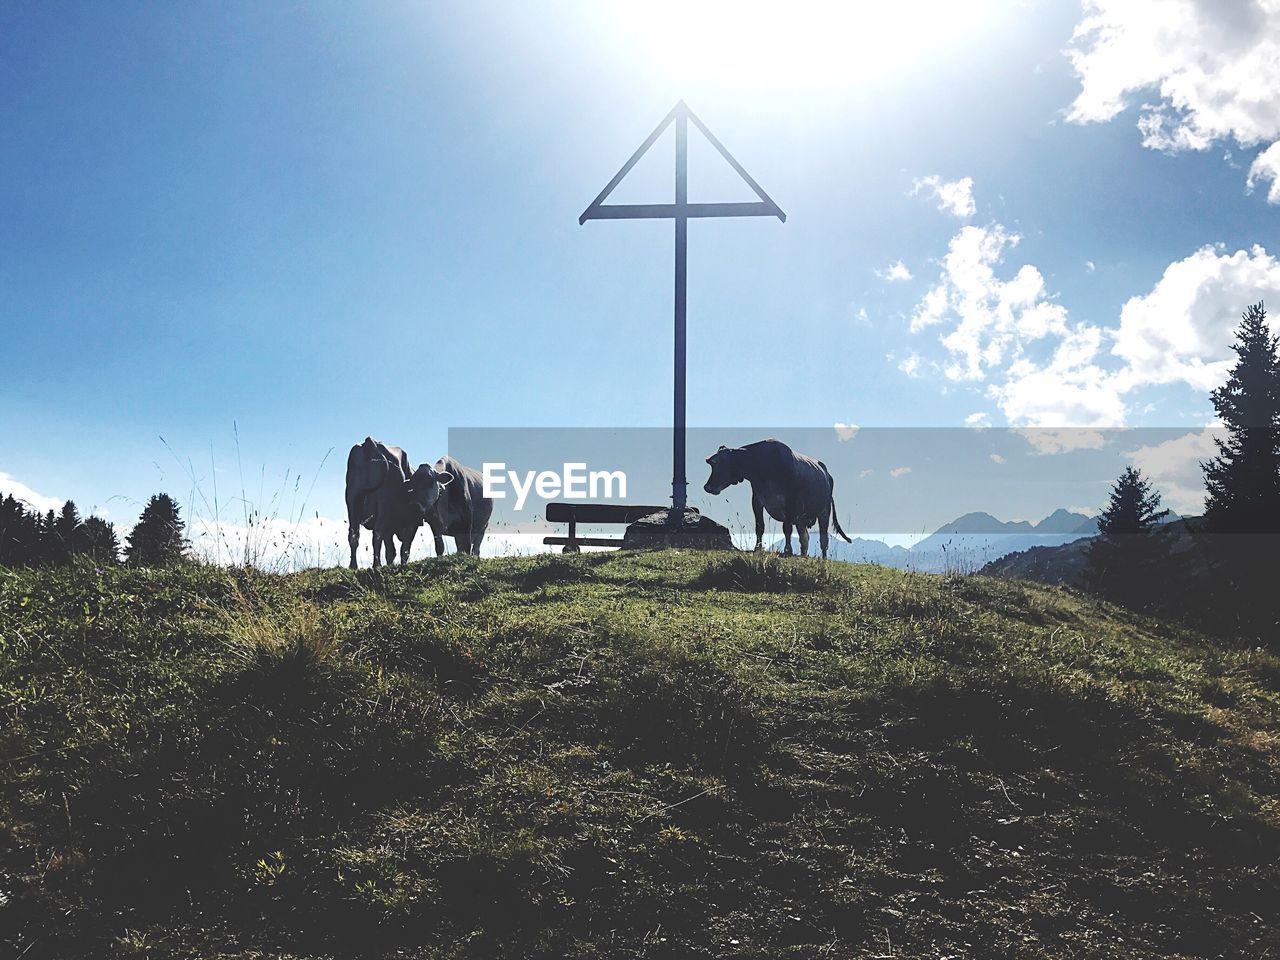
[
  {"x": 1066, "y": 564},
  {"x": 616, "y": 755}
]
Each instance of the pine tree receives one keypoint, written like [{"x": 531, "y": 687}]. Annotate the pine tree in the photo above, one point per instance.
[
  {"x": 97, "y": 540},
  {"x": 17, "y": 533},
  {"x": 158, "y": 539},
  {"x": 47, "y": 540},
  {"x": 1125, "y": 558},
  {"x": 1243, "y": 480},
  {"x": 62, "y": 542},
  {"x": 1133, "y": 508}
]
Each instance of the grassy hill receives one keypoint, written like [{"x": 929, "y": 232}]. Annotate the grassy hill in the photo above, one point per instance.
[{"x": 658, "y": 755}]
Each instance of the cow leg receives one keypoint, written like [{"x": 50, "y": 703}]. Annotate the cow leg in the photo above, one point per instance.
[
  {"x": 390, "y": 544},
  {"x": 824, "y": 521},
  {"x": 377, "y": 548},
  {"x": 353, "y": 538},
  {"x": 476, "y": 537},
  {"x": 786, "y": 534},
  {"x": 462, "y": 542},
  {"x": 802, "y": 531},
  {"x": 757, "y": 507},
  {"x": 436, "y": 534},
  {"x": 406, "y": 544}
]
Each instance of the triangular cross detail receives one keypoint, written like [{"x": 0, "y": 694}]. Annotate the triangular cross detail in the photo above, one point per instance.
[
  {"x": 680, "y": 212},
  {"x": 599, "y": 210}
]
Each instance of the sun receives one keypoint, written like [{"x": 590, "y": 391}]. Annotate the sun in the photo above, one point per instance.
[{"x": 800, "y": 48}]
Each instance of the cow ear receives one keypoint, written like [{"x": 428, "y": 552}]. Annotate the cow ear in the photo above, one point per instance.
[
  {"x": 408, "y": 486},
  {"x": 444, "y": 479},
  {"x": 722, "y": 447}
]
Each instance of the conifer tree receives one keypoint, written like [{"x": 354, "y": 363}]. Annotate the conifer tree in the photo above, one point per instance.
[
  {"x": 62, "y": 542},
  {"x": 47, "y": 540},
  {"x": 18, "y": 533},
  {"x": 97, "y": 540},
  {"x": 1243, "y": 480},
  {"x": 1126, "y": 557},
  {"x": 158, "y": 539},
  {"x": 1133, "y": 508}
]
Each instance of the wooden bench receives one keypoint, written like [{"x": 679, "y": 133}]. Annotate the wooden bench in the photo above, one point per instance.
[{"x": 576, "y": 513}]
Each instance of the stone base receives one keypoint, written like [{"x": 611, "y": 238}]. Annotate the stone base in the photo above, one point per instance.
[{"x": 696, "y": 532}]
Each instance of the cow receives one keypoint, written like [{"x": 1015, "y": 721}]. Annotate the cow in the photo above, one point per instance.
[
  {"x": 795, "y": 489},
  {"x": 387, "y": 497},
  {"x": 463, "y": 511}
]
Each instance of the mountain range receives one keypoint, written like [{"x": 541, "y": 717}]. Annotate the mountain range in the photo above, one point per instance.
[{"x": 965, "y": 544}]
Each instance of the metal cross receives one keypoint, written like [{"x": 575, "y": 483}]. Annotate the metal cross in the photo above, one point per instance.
[{"x": 680, "y": 212}]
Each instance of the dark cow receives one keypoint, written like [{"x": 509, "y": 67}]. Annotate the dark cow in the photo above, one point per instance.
[
  {"x": 795, "y": 489},
  {"x": 387, "y": 497},
  {"x": 463, "y": 511}
]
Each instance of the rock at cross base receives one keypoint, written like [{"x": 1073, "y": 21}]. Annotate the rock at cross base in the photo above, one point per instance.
[{"x": 695, "y": 532}]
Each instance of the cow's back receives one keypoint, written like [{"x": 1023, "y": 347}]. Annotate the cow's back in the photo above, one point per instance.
[
  {"x": 370, "y": 465},
  {"x": 789, "y": 476}
]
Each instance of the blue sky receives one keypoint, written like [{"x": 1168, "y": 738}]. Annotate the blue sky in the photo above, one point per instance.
[{"x": 322, "y": 222}]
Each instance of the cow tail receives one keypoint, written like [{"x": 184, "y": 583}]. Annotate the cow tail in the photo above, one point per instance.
[{"x": 835, "y": 520}]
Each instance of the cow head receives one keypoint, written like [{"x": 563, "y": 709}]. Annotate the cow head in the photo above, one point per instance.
[
  {"x": 424, "y": 489},
  {"x": 724, "y": 471}
]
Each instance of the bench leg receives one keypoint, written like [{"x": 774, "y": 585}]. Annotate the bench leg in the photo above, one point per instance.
[{"x": 572, "y": 545}]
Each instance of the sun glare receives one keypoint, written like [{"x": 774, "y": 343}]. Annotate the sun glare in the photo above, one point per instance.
[{"x": 799, "y": 48}]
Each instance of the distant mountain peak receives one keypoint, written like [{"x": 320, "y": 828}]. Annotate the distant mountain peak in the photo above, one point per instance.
[
  {"x": 1063, "y": 521},
  {"x": 981, "y": 522}
]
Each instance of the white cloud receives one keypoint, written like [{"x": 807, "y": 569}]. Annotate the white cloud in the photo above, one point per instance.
[
  {"x": 894, "y": 273},
  {"x": 954, "y": 196},
  {"x": 1049, "y": 440},
  {"x": 996, "y": 458},
  {"x": 911, "y": 365},
  {"x": 979, "y": 421},
  {"x": 993, "y": 318},
  {"x": 1179, "y": 332},
  {"x": 1266, "y": 166},
  {"x": 1213, "y": 65},
  {"x": 1044, "y": 371},
  {"x": 1182, "y": 330},
  {"x": 846, "y": 431},
  {"x": 865, "y": 473},
  {"x": 1173, "y": 467},
  {"x": 897, "y": 472},
  {"x": 11, "y": 486},
  {"x": 991, "y": 324},
  {"x": 1090, "y": 266},
  {"x": 862, "y": 317},
  {"x": 1070, "y": 390}
]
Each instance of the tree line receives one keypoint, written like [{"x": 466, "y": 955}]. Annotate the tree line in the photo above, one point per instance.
[
  {"x": 29, "y": 538},
  {"x": 1229, "y": 574}
]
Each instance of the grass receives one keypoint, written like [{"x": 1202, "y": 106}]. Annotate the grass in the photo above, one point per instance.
[{"x": 613, "y": 755}]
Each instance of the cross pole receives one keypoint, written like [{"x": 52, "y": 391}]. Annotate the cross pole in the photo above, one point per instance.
[{"x": 680, "y": 212}]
